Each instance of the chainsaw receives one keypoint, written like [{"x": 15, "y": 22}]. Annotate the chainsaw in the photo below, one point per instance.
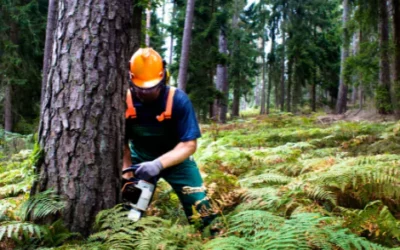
[{"x": 136, "y": 194}]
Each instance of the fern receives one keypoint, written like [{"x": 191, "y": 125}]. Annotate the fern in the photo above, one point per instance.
[
  {"x": 42, "y": 205},
  {"x": 230, "y": 243},
  {"x": 250, "y": 222},
  {"x": 266, "y": 179},
  {"x": 14, "y": 229}
]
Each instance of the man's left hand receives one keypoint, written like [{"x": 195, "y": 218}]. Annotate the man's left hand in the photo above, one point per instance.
[{"x": 148, "y": 170}]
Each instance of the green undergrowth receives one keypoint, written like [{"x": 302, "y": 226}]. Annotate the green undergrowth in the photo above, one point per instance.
[{"x": 277, "y": 182}]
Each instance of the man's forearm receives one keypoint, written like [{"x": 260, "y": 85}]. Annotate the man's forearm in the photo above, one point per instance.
[
  {"x": 127, "y": 162},
  {"x": 177, "y": 155}
]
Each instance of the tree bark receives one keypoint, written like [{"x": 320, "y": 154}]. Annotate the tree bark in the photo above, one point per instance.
[
  {"x": 187, "y": 33},
  {"x": 341, "y": 104},
  {"x": 383, "y": 102},
  {"x": 83, "y": 124},
  {"x": 396, "y": 73},
  {"x": 51, "y": 24}
]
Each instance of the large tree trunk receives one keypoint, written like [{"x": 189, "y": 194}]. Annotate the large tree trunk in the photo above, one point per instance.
[
  {"x": 341, "y": 104},
  {"x": 8, "y": 117},
  {"x": 396, "y": 73},
  {"x": 383, "y": 102},
  {"x": 222, "y": 79},
  {"x": 82, "y": 125},
  {"x": 51, "y": 24},
  {"x": 187, "y": 33}
]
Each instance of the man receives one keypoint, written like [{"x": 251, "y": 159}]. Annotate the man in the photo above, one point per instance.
[{"x": 161, "y": 133}]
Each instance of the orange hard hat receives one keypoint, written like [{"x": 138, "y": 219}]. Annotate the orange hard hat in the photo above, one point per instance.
[{"x": 146, "y": 68}]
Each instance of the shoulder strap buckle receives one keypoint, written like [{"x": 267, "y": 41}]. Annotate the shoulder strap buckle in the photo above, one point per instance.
[
  {"x": 167, "y": 114},
  {"x": 130, "y": 112}
]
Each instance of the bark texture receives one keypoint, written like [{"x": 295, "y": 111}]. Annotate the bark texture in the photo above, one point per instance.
[
  {"x": 187, "y": 37},
  {"x": 341, "y": 104},
  {"x": 82, "y": 125}
]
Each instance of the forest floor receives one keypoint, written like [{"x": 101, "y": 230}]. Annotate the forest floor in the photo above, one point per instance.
[{"x": 277, "y": 182}]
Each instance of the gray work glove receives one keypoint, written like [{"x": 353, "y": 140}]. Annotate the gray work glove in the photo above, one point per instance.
[{"x": 148, "y": 170}]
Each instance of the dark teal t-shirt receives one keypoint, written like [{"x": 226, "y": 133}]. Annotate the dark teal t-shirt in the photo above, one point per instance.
[{"x": 150, "y": 138}]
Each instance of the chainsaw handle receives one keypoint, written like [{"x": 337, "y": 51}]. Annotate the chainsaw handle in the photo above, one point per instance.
[{"x": 130, "y": 169}]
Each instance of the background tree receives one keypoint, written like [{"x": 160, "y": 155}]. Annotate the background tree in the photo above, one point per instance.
[
  {"x": 183, "y": 66},
  {"x": 396, "y": 41},
  {"x": 22, "y": 25},
  {"x": 341, "y": 104}
]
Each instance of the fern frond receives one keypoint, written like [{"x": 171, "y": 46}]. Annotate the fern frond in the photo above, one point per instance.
[
  {"x": 229, "y": 243},
  {"x": 42, "y": 205},
  {"x": 249, "y": 222},
  {"x": 264, "y": 179},
  {"x": 14, "y": 229}
]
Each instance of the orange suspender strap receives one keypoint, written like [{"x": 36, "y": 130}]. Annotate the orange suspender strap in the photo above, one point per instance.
[
  {"x": 130, "y": 111},
  {"x": 167, "y": 114}
]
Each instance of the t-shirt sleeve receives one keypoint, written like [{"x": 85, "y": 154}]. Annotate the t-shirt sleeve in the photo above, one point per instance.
[{"x": 187, "y": 125}]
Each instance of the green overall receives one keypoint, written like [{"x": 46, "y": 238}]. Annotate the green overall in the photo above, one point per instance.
[{"x": 149, "y": 140}]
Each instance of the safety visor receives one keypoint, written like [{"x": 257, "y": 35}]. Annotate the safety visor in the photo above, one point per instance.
[{"x": 148, "y": 94}]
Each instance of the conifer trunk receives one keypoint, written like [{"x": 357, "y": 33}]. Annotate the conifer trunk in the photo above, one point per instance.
[
  {"x": 8, "y": 104},
  {"x": 262, "y": 109},
  {"x": 383, "y": 102},
  {"x": 236, "y": 102},
  {"x": 271, "y": 61},
  {"x": 396, "y": 73},
  {"x": 8, "y": 117},
  {"x": 282, "y": 86},
  {"x": 51, "y": 24},
  {"x": 171, "y": 42},
  {"x": 187, "y": 37},
  {"x": 222, "y": 78},
  {"x": 82, "y": 123},
  {"x": 289, "y": 86},
  {"x": 341, "y": 104},
  {"x": 148, "y": 24}
]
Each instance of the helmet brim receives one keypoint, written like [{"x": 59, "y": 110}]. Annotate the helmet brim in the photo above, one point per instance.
[{"x": 146, "y": 84}]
